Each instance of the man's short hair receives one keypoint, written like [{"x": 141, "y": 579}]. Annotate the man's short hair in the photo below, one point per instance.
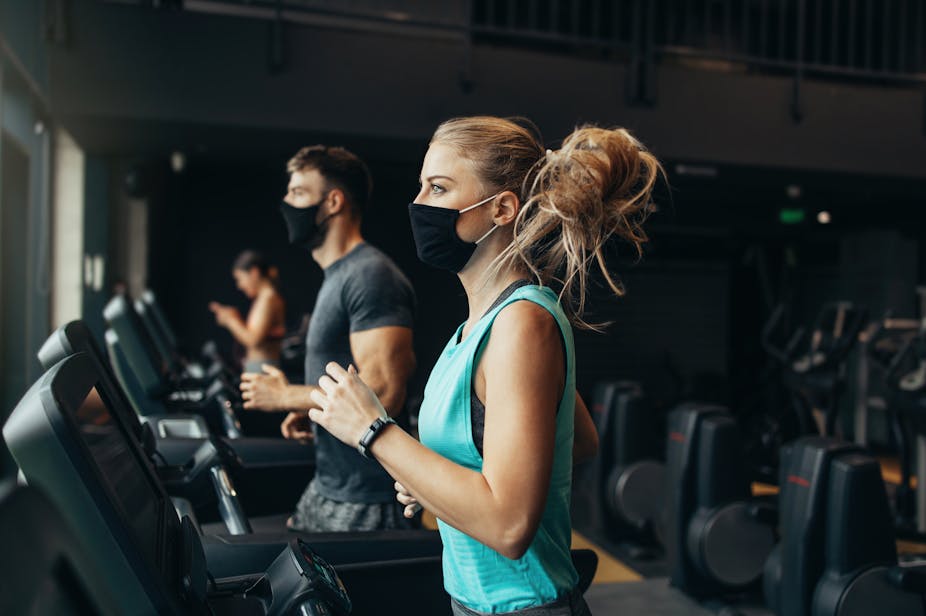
[{"x": 340, "y": 168}]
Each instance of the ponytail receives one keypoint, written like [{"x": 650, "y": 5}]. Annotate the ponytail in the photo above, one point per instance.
[{"x": 598, "y": 185}]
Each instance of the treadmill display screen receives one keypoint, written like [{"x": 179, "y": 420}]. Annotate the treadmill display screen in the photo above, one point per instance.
[{"x": 123, "y": 471}]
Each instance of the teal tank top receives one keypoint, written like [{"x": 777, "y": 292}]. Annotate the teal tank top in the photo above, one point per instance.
[{"x": 474, "y": 574}]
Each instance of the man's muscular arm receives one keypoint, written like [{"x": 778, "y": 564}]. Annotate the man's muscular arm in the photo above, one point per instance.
[{"x": 385, "y": 359}]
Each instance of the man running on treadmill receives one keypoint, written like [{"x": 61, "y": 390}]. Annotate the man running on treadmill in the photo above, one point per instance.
[{"x": 363, "y": 316}]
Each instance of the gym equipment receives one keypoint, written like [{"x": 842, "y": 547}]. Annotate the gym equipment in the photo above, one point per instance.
[
  {"x": 717, "y": 536},
  {"x": 165, "y": 342},
  {"x": 45, "y": 568},
  {"x": 795, "y": 565},
  {"x": 816, "y": 375},
  {"x": 837, "y": 554},
  {"x": 908, "y": 405},
  {"x": 199, "y": 470},
  {"x": 893, "y": 350},
  {"x": 879, "y": 344},
  {"x": 620, "y": 492},
  {"x": 861, "y": 574},
  {"x": 146, "y": 375},
  {"x": 75, "y": 337},
  {"x": 159, "y": 330},
  {"x": 68, "y": 444}
]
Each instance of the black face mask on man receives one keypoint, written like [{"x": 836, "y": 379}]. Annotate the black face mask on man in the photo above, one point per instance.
[
  {"x": 435, "y": 232},
  {"x": 301, "y": 223}
]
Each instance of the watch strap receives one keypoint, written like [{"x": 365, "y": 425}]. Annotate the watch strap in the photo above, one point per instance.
[{"x": 372, "y": 433}]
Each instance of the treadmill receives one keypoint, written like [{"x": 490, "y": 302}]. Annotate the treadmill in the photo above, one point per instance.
[
  {"x": 45, "y": 569},
  {"x": 204, "y": 469},
  {"x": 150, "y": 377},
  {"x": 70, "y": 445},
  {"x": 211, "y": 364}
]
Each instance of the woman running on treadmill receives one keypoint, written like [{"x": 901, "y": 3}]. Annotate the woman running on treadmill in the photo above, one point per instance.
[
  {"x": 500, "y": 421},
  {"x": 262, "y": 332}
]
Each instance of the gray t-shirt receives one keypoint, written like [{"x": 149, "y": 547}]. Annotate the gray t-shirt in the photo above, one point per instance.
[{"x": 362, "y": 290}]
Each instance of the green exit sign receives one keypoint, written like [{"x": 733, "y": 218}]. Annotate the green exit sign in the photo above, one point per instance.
[{"x": 791, "y": 216}]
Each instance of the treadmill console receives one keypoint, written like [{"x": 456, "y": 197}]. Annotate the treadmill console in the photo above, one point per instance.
[{"x": 303, "y": 583}]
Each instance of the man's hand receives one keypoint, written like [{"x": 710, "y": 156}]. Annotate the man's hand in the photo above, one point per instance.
[
  {"x": 264, "y": 392},
  {"x": 297, "y": 426}
]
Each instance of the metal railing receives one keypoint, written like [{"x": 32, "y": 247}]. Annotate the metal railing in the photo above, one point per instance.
[
  {"x": 880, "y": 39},
  {"x": 867, "y": 39}
]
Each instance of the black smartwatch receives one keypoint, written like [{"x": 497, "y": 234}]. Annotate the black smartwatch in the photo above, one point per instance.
[{"x": 375, "y": 429}]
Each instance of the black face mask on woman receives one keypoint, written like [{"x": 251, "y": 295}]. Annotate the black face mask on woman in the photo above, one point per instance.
[
  {"x": 301, "y": 225},
  {"x": 435, "y": 232}
]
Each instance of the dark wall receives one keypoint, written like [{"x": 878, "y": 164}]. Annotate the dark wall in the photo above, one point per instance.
[
  {"x": 201, "y": 219},
  {"x": 14, "y": 226},
  {"x": 672, "y": 325},
  {"x": 142, "y": 82},
  {"x": 146, "y": 68},
  {"x": 98, "y": 208}
]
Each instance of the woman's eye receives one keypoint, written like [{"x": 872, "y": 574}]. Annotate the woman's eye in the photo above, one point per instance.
[{"x": 436, "y": 189}]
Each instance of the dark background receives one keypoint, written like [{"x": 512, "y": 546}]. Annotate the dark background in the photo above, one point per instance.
[
  {"x": 752, "y": 110},
  {"x": 718, "y": 261}
]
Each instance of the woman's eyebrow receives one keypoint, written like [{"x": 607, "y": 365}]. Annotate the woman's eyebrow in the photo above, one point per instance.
[{"x": 443, "y": 177}]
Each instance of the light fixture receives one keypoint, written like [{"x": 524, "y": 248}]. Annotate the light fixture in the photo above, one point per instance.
[{"x": 177, "y": 161}]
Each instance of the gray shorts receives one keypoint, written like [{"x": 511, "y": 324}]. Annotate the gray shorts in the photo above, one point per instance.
[
  {"x": 571, "y": 604},
  {"x": 317, "y": 514}
]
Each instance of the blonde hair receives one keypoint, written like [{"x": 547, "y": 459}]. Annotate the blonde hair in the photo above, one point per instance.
[{"x": 598, "y": 185}]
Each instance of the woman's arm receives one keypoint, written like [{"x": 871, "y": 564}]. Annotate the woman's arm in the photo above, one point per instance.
[
  {"x": 501, "y": 506},
  {"x": 260, "y": 319},
  {"x": 584, "y": 447}
]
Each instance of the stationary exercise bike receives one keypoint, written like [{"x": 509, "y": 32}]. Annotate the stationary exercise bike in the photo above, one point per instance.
[
  {"x": 619, "y": 492},
  {"x": 814, "y": 367},
  {"x": 906, "y": 378},
  {"x": 718, "y": 535}
]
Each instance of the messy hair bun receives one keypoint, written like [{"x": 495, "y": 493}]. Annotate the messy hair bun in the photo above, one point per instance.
[{"x": 598, "y": 185}]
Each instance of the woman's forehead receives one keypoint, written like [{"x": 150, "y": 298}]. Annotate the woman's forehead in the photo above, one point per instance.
[{"x": 444, "y": 160}]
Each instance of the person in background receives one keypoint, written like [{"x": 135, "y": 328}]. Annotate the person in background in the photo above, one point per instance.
[{"x": 260, "y": 334}]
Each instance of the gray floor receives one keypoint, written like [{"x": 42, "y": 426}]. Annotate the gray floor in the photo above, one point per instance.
[{"x": 652, "y": 597}]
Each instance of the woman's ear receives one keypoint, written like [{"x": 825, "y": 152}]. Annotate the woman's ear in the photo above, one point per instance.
[{"x": 507, "y": 206}]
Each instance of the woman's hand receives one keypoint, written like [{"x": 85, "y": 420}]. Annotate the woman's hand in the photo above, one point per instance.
[
  {"x": 412, "y": 506},
  {"x": 224, "y": 314},
  {"x": 345, "y": 406}
]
